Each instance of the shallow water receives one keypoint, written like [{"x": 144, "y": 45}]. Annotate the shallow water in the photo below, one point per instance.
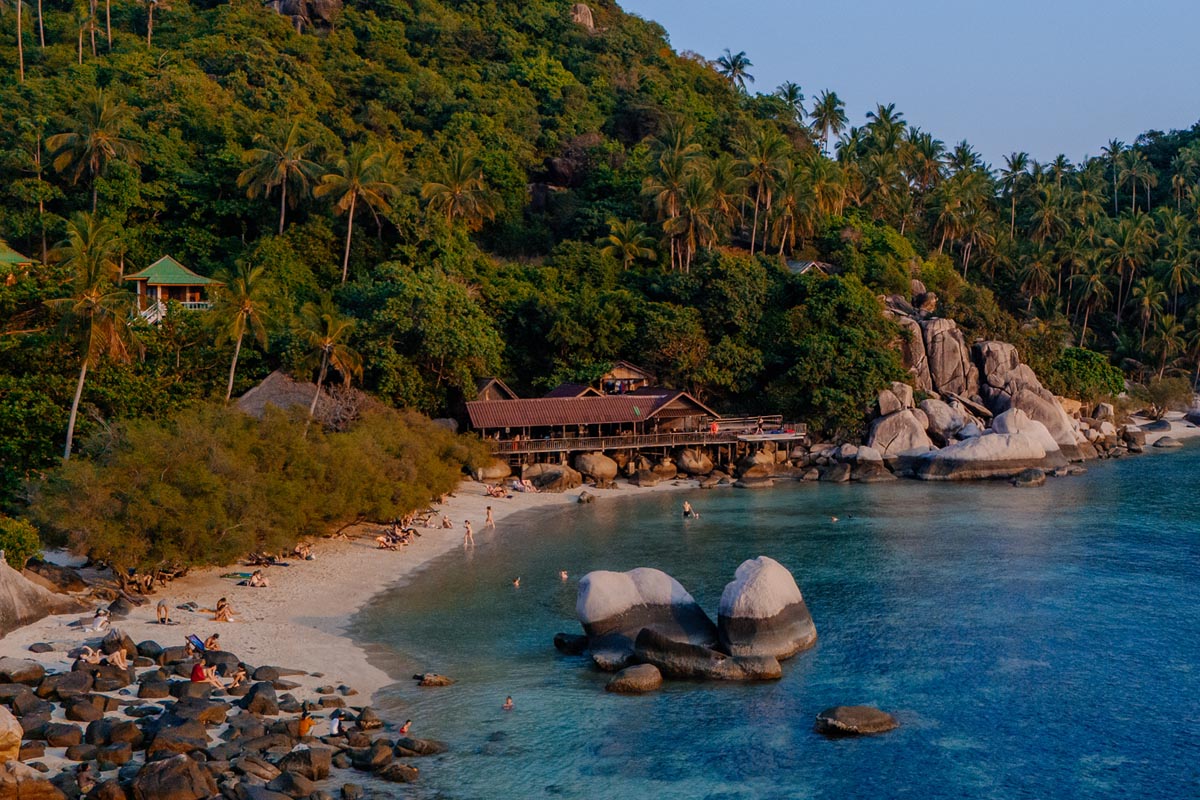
[{"x": 1032, "y": 642}]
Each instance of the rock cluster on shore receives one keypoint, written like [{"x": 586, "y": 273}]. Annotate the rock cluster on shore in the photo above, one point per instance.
[
  {"x": 644, "y": 625},
  {"x": 150, "y": 733}
]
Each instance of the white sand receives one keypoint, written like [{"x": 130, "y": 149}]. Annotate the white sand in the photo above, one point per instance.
[{"x": 300, "y": 620}]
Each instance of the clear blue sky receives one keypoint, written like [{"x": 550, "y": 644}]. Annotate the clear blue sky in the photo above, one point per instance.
[{"x": 1048, "y": 77}]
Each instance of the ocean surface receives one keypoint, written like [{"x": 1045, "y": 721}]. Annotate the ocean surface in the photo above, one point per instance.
[{"x": 1040, "y": 643}]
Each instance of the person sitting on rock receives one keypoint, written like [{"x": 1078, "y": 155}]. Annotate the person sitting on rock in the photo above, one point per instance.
[
  {"x": 84, "y": 778},
  {"x": 117, "y": 659},
  {"x": 223, "y": 612},
  {"x": 307, "y": 723},
  {"x": 90, "y": 656},
  {"x": 239, "y": 675},
  {"x": 202, "y": 674},
  {"x": 213, "y": 642}
]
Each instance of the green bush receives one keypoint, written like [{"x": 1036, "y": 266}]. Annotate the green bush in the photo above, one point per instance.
[
  {"x": 1085, "y": 375},
  {"x": 19, "y": 541}
]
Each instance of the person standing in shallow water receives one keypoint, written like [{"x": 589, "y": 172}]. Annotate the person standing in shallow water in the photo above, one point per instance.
[
  {"x": 469, "y": 536},
  {"x": 490, "y": 522}
]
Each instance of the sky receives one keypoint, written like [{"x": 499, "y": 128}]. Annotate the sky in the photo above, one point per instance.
[{"x": 1048, "y": 77}]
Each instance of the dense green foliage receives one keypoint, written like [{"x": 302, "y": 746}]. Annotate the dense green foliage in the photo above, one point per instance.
[
  {"x": 427, "y": 193},
  {"x": 19, "y": 541},
  {"x": 1087, "y": 375},
  {"x": 207, "y": 485}
]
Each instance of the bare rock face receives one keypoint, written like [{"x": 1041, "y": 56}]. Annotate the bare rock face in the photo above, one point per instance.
[
  {"x": 888, "y": 403},
  {"x": 950, "y": 366},
  {"x": 494, "y": 470},
  {"x": 1017, "y": 421},
  {"x": 854, "y": 721},
  {"x": 762, "y": 612},
  {"x": 898, "y": 433},
  {"x": 694, "y": 462},
  {"x": 682, "y": 660},
  {"x": 613, "y": 606},
  {"x": 176, "y": 778},
  {"x": 552, "y": 477},
  {"x": 581, "y": 15},
  {"x": 943, "y": 421},
  {"x": 1040, "y": 405},
  {"x": 596, "y": 466},
  {"x": 10, "y": 736},
  {"x": 26, "y": 783},
  {"x": 993, "y": 455},
  {"x": 912, "y": 352},
  {"x": 23, "y": 602}
]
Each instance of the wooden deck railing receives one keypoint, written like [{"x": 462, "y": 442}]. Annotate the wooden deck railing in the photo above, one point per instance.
[{"x": 637, "y": 441}]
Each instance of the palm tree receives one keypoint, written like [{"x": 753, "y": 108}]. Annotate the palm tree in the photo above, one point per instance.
[
  {"x": 763, "y": 154},
  {"x": 18, "y": 5},
  {"x": 733, "y": 66},
  {"x": 325, "y": 330},
  {"x": 1036, "y": 279},
  {"x": 96, "y": 311},
  {"x": 1128, "y": 247},
  {"x": 360, "y": 175},
  {"x": 666, "y": 190},
  {"x": 164, "y": 5},
  {"x": 459, "y": 191},
  {"x": 241, "y": 308},
  {"x": 280, "y": 162},
  {"x": 728, "y": 189},
  {"x": 627, "y": 241},
  {"x": 1093, "y": 291},
  {"x": 1168, "y": 340},
  {"x": 1149, "y": 299},
  {"x": 1015, "y": 165},
  {"x": 1113, "y": 151},
  {"x": 95, "y": 142},
  {"x": 829, "y": 116},
  {"x": 694, "y": 225},
  {"x": 793, "y": 97}
]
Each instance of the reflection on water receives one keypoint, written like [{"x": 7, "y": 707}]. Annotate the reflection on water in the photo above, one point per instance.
[{"x": 1032, "y": 642}]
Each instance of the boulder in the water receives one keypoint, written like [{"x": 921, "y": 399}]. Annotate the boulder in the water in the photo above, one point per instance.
[
  {"x": 614, "y": 605},
  {"x": 638, "y": 679},
  {"x": 1168, "y": 442},
  {"x": 762, "y": 612},
  {"x": 854, "y": 721},
  {"x": 1030, "y": 478},
  {"x": 677, "y": 659}
]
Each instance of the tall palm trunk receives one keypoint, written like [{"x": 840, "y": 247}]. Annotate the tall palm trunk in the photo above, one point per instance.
[
  {"x": 754, "y": 226},
  {"x": 150, "y": 24},
  {"x": 1083, "y": 336},
  {"x": 282, "y": 205},
  {"x": 312, "y": 409},
  {"x": 75, "y": 409},
  {"x": 233, "y": 366},
  {"x": 92, "y": 27},
  {"x": 41, "y": 30},
  {"x": 1012, "y": 222},
  {"x": 349, "y": 233},
  {"x": 94, "y": 193},
  {"x": 20, "y": 44},
  {"x": 108, "y": 22}
]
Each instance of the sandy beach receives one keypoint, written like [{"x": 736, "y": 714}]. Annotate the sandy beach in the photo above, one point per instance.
[{"x": 299, "y": 621}]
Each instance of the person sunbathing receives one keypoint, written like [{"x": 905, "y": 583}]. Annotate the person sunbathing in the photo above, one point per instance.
[
  {"x": 90, "y": 656},
  {"x": 224, "y": 612},
  {"x": 258, "y": 580},
  {"x": 384, "y": 542},
  {"x": 117, "y": 659}
]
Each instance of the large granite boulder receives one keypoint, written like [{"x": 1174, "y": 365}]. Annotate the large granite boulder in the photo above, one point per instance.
[
  {"x": 762, "y": 612},
  {"x": 552, "y": 477},
  {"x": 596, "y": 466},
  {"x": 997, "y": 362},
  {"x": 912, "y": 351},
  {"x": 898, "y": 433},
  {"x": 950, "y": 367},
  {"x": 176, "y": 778},
  {"x": 494, "y": 470},
  {"x": 1017, "y": 421},
  {"x": 10, "y": 736},
  {"x": 638, "y": 679},
  {"x": 617, "y": 605},
  {"x": 854, "y": 721},
  {"x": 694, "y": 462},
  {"x": 993, "y": 455},
  {"x": 22, "y": 670},
  {"x": 1039, "y": 404},
  {"x": 22, "y": 601},
  {"x": 676, "y": 659},
  {"x": 20, "y": 782},
  {"x": 943, "y": 421}
]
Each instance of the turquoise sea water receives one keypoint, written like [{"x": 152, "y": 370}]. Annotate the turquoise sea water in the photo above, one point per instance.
[{"x": 1033, "y": 643}]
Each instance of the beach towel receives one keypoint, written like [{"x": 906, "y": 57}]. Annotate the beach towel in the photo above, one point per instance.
[
  {"x": 196, "y": 643},
  {"x": 237, "y": 575}
]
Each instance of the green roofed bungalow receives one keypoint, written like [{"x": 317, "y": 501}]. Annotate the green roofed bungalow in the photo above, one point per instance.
[
  {"x": 12, "y": 262},
  {"x": 166, "y": 280}
]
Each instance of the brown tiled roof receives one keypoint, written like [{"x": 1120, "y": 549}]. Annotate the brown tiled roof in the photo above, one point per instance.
[
  {"x": 572, "y": 390},
  {"x": 558, "y": 411}
]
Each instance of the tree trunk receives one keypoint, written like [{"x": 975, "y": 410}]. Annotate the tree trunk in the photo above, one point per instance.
[
  {"x": 108, "y": 22},
  {"x": 41, "y": 30},
  {"x": 754, "y": 227},
  {"x": 237, "y": 350},
  {"x": 282, "y": 204},
  {"x": 312, "y": 409},
  {"x": 1012, "y": 223},
  {"x": 75, "y": 410},
  {"x": 1145, "y": 324},
  {"x": 349, "y": 233},
  {"x": 92, "y": 28},
  {"x": 20, "y": 43},
  {"x": 1083, "y": 336},
  {"x": 94, "y": 179},
  {"x": 150, "y": 25}
]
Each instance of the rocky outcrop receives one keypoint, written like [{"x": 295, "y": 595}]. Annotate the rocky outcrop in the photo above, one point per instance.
[
  {"x": 854, "y": 721},
  {"x": 1017, "y": 421},
  {"x": 10, "y": 736},
  {"x": 993, "y": 455},
  {"x": 176, "y": 778},
  {"x": 638, "y": 679},
  {"x": 681, "y": 660},
  {"x": 552, "y": 477},
  {"x": 23, "y": 602},
  {"x": 493, "y": 470},
  {"x": 762, "y": 612},
  {"x": 597, "y": 466},
  {"x": 898, "y": 433},
  {"x": 581, "y": 15},
  {"x": 694, "y": 462},
  {"x": 912, "y": 352},
  {"x": 20, "y": 782},
  {"x": 618, "y": 605},
  {"x": 942, "y": 421},
  {"x": 950, "y": 367}
]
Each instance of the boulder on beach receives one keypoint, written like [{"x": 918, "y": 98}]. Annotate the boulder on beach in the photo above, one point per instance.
[
  {"x": 552, "y": 477},
  {"x": 694, "y": 462},
  {"x": 10, "y": 736},
  {"x": 638, "y": 679},
  {"x": 597, "y": 466},
  {"x": 681, "y": 660},
  {"x": 898, "y": 433},
  {"x": 1017, "y": 421},
  {"x": 762, "y": 612},
  {"x": 619, "y": 604},
  {"x": 1168, "y": 441},
  {"x": 22, "y": 601},
  {"x": 993, "y": 455},
  {"x": 20, "y": 782},
  {"x": 176, "y": 778},
  {"x": 854, "y": 721},
  {"x": 493, "y": 470}
]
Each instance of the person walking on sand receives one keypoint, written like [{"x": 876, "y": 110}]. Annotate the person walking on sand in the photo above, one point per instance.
[
  {"x": 164, "y": 613},
  {"x": 490, "y": 521},
  {"x": 469, "y": 535}
]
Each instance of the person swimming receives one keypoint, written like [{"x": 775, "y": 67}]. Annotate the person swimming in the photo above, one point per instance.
[
  {"x": 508, "y": 703},
  {"x": 517, "y": 582},
  {"x": 562, "y": 575}
]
